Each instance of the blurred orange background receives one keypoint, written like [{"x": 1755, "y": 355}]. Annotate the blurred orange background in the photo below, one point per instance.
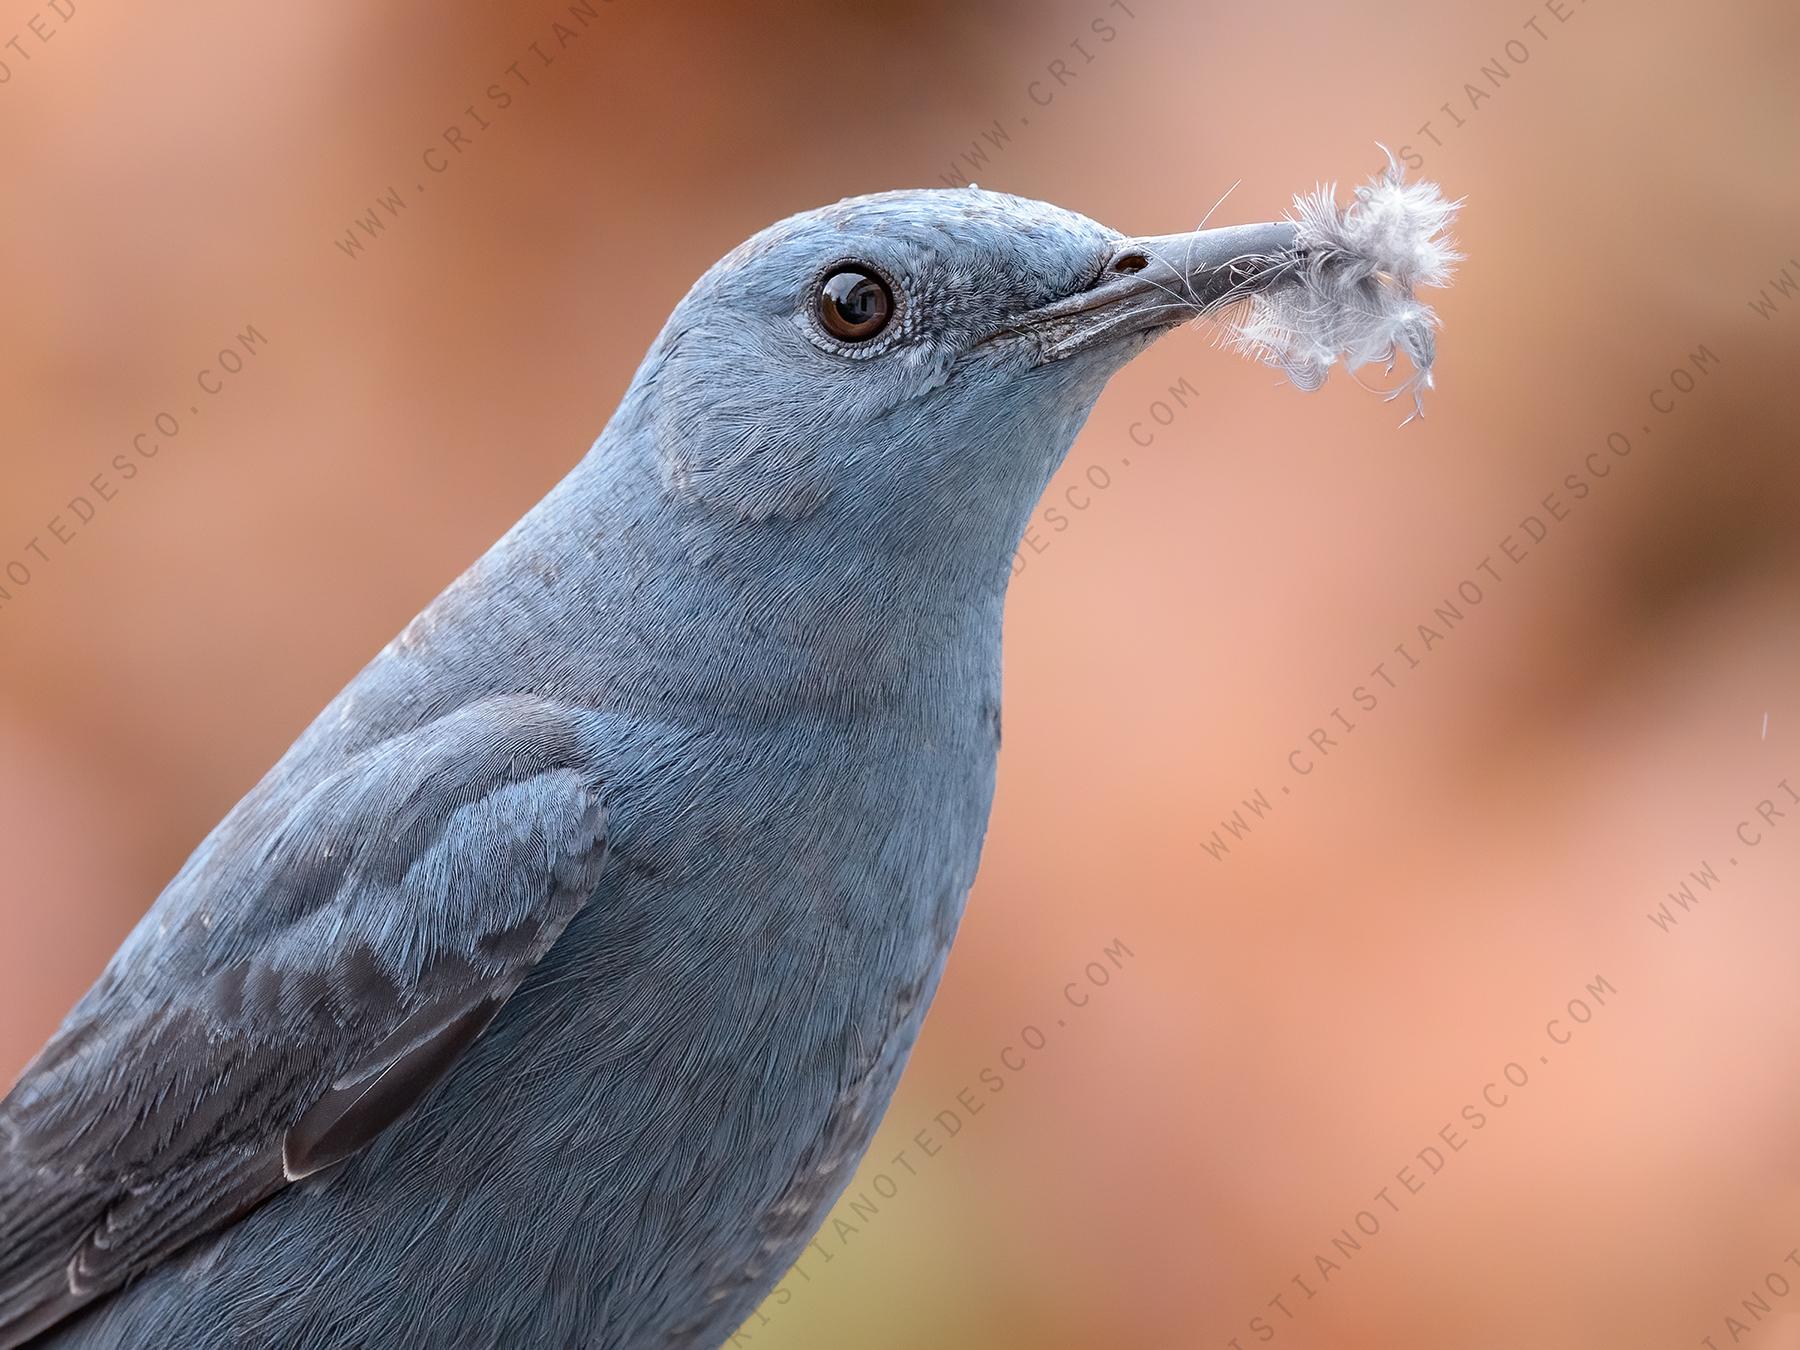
[{"x": 1282, "y": 1014}]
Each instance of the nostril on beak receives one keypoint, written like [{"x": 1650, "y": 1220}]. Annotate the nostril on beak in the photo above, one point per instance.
[{"x": 1127, "y": 263}]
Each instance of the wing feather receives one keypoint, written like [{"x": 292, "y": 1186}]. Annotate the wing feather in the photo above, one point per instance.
[{"x": 305, "y": 981}]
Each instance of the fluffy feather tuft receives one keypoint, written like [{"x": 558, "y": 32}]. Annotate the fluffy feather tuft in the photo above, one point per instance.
[{"x": 1349, "y": 294}]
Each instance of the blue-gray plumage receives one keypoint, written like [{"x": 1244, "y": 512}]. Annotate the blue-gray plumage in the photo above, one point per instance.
[{"x": 547, "y": 991}]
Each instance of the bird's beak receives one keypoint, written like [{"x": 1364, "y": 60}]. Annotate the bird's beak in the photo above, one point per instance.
[{"x": 1155, "y": 283}]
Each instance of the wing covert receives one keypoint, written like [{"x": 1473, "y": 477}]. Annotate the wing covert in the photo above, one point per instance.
[{"x": 294, "y": 992}]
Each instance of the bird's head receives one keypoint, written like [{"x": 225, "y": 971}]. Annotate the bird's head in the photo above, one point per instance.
[
  {"x": 836, "y": 443},
  {"x": 917, "y": 361}
]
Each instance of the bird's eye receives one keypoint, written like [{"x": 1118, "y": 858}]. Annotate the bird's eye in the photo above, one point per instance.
[{"x": 854, "y": 305}]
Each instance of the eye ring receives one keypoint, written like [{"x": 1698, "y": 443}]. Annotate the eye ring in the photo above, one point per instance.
[{"x": 854, "y": 303}]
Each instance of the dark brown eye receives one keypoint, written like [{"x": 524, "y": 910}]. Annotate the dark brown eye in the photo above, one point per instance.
[{"x": 854, "y": 305}]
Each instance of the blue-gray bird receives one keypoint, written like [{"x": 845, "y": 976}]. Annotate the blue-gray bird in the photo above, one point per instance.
[{"x": 548, "y": 989}]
